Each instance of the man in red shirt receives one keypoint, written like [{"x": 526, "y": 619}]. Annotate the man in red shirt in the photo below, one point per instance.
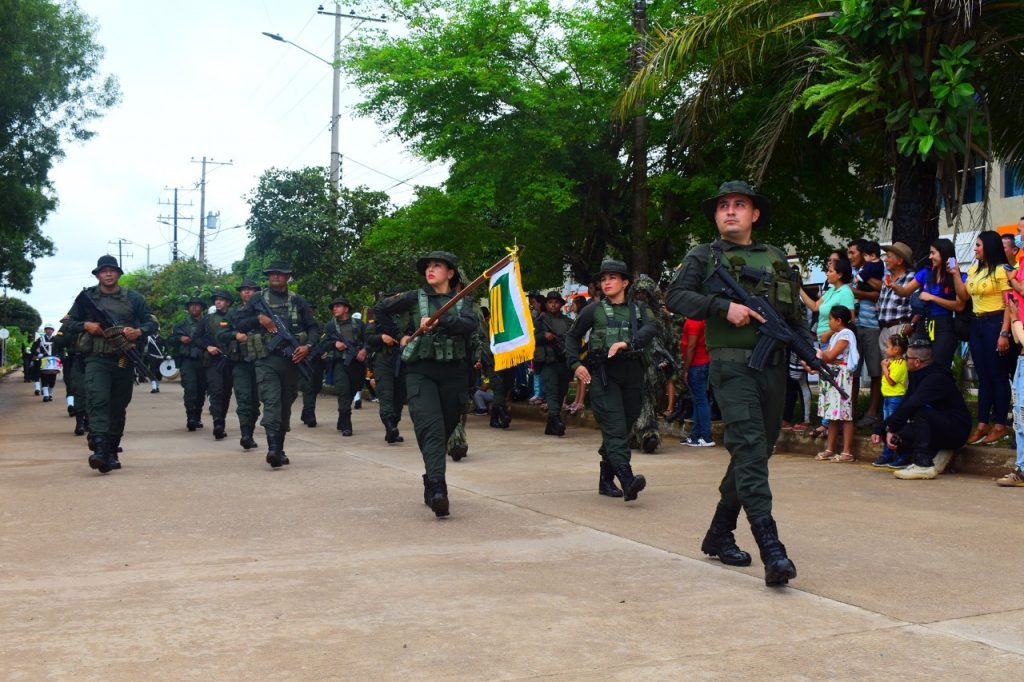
[{"x": 696, "y": 366}]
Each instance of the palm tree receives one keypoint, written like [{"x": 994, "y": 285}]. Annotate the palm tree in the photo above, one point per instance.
[{"x": 937, "y": 85}]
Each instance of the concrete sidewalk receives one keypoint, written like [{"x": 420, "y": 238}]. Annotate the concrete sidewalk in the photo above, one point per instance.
[{"x": 196, "y": 561}]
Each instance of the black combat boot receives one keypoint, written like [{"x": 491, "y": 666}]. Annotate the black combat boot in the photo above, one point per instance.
[
  {"x": 90, "y": 442},
  {"x": 98, "y": 458},
  {"x": 606, "y": 484},
  {"x": 247, "y": 441},
  {"x": 346, "y": 425},
  {"x": 191, "y": 420},
  {"x": 308, "y": 416},
  {"x": 495, "y": 417},
  {"x": 503, "y": 417},
  {"x": 71, "y": 410},
  {"x": 555, "y": 427},
  {"x": 778, "y": 569},
  {"x": 437, "y": 495},
  {"x": 391, "y": 432},
  {"x": 114, "y": 447},
  {"x": 719, "y": 540},
  {"x": 218, "y": 429},
  {"x": 79, "y": 425},
  {"x": 631, "y": 485},
  {"x": 459, "y": 451},
  {"x": 426, "y": 491},
  {"x": 275, "y": 449}
]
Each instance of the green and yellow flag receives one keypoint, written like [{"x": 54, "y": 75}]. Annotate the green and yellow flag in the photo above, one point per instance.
[{"x": 511, "y": 322}]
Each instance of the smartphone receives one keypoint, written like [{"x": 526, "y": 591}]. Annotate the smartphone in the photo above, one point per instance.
[
  {"x": 951, "y": 263},
  {"x": 1007, "y": 297}
]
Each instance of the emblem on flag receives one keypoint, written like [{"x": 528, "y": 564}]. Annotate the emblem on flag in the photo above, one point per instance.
[{"x": 511, "y": 327}]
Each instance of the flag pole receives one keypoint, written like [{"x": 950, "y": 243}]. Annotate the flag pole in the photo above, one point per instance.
[{"x": 513, "y": 254}]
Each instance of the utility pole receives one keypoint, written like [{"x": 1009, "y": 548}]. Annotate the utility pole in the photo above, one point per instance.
[
  {"x": 202, "y": 204},
  {"x": 174, "y": 218},
  {"x": 639, "y": 182},
  {"x": 120, "y": 255}
]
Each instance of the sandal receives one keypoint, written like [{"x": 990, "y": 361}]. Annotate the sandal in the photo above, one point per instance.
[
  {"x": 843, "y": 457},
  {"x": 824, "y": 455}
]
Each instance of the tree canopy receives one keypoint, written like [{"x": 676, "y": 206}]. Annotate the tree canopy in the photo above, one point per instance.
[{"x": 50, "y": 90}]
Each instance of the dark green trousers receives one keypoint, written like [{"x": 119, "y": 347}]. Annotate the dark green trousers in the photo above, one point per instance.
[
  {"x": 277, "y": 380},
  {"x": 108, "y": 390},
  {"x": 615, "y": 399},
  {"x": 193, "y": 381},
  {"x": 436, "y": 392},
  {"x": 347, "y": 381},
  {"x": 554, "y": 377},
  {"x": 458, "y": 436},
  {"x": 501, "y": 383},
  {"x": 74, "y": 373},
  {"x": 247, "y": 401},
  {"x": 751, "y": 402},
  {"x": 218, "y": 386},
  {"x": 390, "y": 389},
  {"x": 310, "y": 390}
]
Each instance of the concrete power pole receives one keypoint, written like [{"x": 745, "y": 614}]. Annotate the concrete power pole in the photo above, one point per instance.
[
  {"x": 202, "y": 204},
  {"x": 174, "y": 219}
]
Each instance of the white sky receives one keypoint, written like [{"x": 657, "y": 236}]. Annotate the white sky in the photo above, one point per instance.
[{"x": 198, "y": 78}]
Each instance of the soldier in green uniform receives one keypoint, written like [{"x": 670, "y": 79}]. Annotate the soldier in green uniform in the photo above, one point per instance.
[
  {"x": 277, "y": 377},
  {"x": 243, "y": 371},
  {"x": 383, "y": 336},
  {"x": 310, "y": 388},
  {"x": 458, "y": 442},
  {"x": 436, "y": 367},
  {"x": 188, "y": 352},
  {"x": 109, "y": 377},
  {"x": 751, "y": 400},
  {"x": 619, "y": 331},
  {"x": 657, "y": 363},
  {"x": 216, "y": 361},
  {"x": 74, "y": 373},
  {"x": 344, "y": 342},
  {"x": 549, "y": 330}
]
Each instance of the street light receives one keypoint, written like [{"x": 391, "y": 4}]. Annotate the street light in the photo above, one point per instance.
[{"x": 336, "y": 91}]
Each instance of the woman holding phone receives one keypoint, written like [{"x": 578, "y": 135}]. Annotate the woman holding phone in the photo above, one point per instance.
[
  {"x": 943, "y": 292},
  {"x": 990, "y": 342}
]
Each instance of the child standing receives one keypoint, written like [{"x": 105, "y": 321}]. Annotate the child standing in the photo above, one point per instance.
[
  {"x": 894, "y": 387},
  {"x": 842, "y": 356}
]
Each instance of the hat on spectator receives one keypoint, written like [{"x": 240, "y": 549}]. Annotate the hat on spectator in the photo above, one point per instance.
[{"x": 901, "y": 250}]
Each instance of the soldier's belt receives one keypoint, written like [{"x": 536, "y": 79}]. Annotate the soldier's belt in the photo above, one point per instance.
[{"x": 777, "y": 357}]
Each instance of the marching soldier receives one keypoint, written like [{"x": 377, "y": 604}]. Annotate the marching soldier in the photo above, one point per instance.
[
  {"x": 216, "y": 361},
  {"x": 344, "y": 342},
  {"x": 310, "y": 388},
  {"x": 619, "y": 331},
  {"x": 658, "y": 363},
  {"x": 185, "y": 342},
  {"x": 243, "y": 371},
  {"x": 436, "y": 367},
  {"x": 550, "y": 328},
  {"x": 458, "y": 442},
  {"x": 74, "y": 373},
  {"x": 277, "y": 374},
  {"x": 751, "y": 400},
  {"x": 109, "y": 378},
  {"x": 42, "y": 348},
  {"x": 382, "y": 337}
]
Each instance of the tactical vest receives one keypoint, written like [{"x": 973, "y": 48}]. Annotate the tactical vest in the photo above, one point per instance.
[
  {"x": 214, "y": 323},
  {"x": 435, "y": 345},
  {"x": 548, "y": 352},
  {"x": 609, "y": 329},
  {"x": 358, "y": 337},
  {"x": 289, "y": 312},
  {"x": 121, "y": 311},
  {"x": 237, "y": 351},
  {"x": 776, "y": 286}
]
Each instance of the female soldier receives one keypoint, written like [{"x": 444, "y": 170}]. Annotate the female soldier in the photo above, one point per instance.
[
  {"x": 618, "y": 331},
  {"x": 437, "y": 370}
]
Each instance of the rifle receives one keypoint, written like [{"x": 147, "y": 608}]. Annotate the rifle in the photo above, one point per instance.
[
  {"x": 115, "y": 334},
  {"x": 283, "y": 343},
  {"x": 774, "y": 330},
  {"x": 559, "y": 341}
]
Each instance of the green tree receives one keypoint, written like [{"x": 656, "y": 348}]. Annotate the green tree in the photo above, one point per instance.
[
  {"x": 933, "y": 86},
  {"x": 167, "y": 288},
  {"x": 15, "y": 312},
  {"x": 50, "y": 91},
  {"x": 295, "y": 216}
]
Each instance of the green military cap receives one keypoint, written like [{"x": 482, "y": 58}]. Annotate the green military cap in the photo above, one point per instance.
[
  {"x": 247, "y": 283},
  {"x": 614, "y": 266},
  {"x": 223, "y": 293},
  {"x": 278, "y": 266},
  {"x": 555, "y": 295},
  {"x": 710, "y": 204},
  {"x": 340, "y": 300},
  {"x": 107, "y": 261},
  {"x": 195, "y": 300},
  {"x": 443, "y": 256}
]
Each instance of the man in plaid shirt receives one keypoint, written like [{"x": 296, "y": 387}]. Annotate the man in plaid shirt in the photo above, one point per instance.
[{"x": 894, "y": 314}]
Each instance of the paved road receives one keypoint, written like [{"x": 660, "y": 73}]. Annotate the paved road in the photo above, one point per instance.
[{"x": 196, "y": 561}]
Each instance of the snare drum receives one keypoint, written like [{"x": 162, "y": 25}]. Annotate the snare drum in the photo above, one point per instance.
[{"x": 49, "y": 365}]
